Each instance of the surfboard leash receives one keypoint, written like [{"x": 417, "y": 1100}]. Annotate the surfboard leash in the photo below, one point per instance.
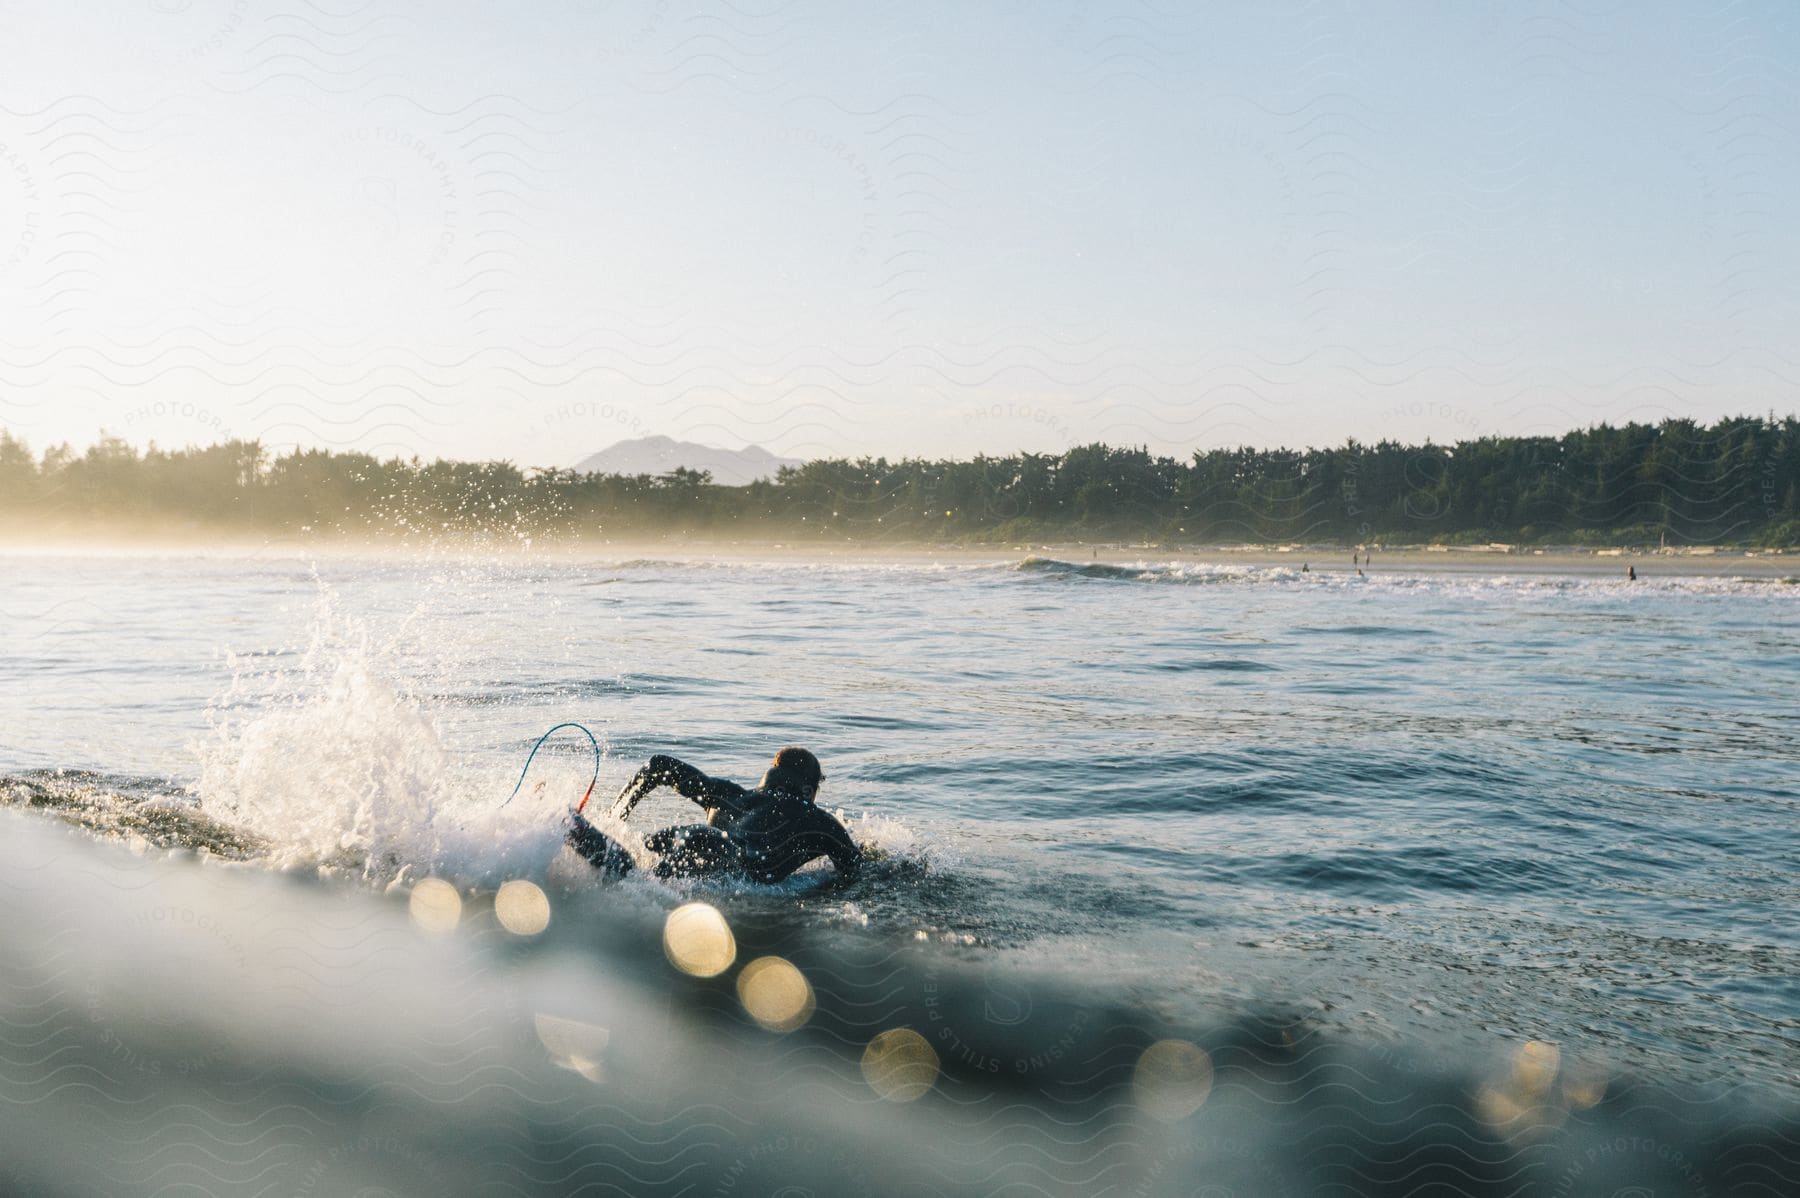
[{"x": 592, "y": 739}]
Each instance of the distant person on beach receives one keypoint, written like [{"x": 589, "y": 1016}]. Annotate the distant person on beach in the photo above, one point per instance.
[
  {"x": 1631, "y": 573},
  {"x": 763, "y": 834}
]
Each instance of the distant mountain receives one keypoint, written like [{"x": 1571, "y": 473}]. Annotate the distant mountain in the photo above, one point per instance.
[{"x": 659, "y": 455}]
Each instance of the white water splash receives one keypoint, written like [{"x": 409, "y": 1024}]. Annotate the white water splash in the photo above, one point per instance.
[
  {"x": 893, "y": 840},
  {"x": 334, "y": 759},
  {"x": 327, "y": 757},
  {"x": 331, "y": 755}
]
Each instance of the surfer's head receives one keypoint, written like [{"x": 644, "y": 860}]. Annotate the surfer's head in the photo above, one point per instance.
[{"x": 795, "y": 771}]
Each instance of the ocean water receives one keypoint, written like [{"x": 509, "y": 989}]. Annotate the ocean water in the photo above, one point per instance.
[{"x": 1459, "y": 880}]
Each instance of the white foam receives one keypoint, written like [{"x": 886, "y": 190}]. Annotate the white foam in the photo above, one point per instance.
[
  {"x": 1524, "y": 584},
  {"x": 334, "y": 763}
]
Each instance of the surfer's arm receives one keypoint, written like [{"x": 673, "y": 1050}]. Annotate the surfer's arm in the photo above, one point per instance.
[
  {"x": 844, "y": 853},
  {"x": 684, "y": 780}
]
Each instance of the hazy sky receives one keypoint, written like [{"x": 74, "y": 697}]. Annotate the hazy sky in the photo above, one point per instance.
[{"x": 479, "y": 229}]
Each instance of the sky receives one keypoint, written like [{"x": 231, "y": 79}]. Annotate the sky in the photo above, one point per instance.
[{"x": 471, "y": 229}]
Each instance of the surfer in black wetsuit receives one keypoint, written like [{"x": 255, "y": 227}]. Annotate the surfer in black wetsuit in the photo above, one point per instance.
[{"x": 763, "y": 834}]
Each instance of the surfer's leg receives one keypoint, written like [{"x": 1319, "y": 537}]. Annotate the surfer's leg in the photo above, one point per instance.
[
  {"x": 695, "y": 851},
  {"x": 601, "y": 851}
]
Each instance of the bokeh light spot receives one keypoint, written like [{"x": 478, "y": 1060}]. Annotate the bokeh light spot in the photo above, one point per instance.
[
  {"x": 900, "y": 1065},
  {"x": 1172, "y": 1079},
  {"x": 1583, "y": 1087},
  {"x": 435, "y": 905},
  {"x": 1522, "y": 1103},
  {"x": 1534, "y": 1067},
  {"x": 698, "y": 941},
  {"x": 573, "y": 1045},
  {"x": 522, "y": 908},
  {"x": 776, "y": 994}
]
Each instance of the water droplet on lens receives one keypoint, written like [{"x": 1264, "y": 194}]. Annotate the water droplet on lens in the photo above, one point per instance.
[
  {"x": 698, "y": 941},
  {"x": 435, "y": 905},
  {"x": 522, "y": 908},
  {"x": 900, "y": 1065},
  {"x": 775, "y": 994}
]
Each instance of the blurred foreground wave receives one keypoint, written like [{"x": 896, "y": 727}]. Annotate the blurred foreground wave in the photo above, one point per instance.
[{"x": 178, "y": 1023}]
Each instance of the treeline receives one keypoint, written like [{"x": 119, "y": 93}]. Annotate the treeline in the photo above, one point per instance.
[{"x": 1735, "y": 482}]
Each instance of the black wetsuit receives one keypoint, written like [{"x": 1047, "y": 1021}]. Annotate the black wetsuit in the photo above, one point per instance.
[{"x": 764, "y": 834}]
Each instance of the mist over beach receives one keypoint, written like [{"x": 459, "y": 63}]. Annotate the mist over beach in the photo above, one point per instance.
[{"x": 753, "y": 599}]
